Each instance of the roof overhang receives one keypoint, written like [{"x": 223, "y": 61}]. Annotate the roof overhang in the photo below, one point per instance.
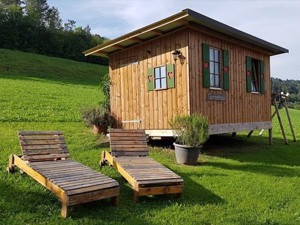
[{"x": 175, "y": 22}]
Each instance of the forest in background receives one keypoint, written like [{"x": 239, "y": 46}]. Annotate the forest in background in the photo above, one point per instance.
[
  {"x": 287, "y": 86},
  {"x": 35, "y": 26}
]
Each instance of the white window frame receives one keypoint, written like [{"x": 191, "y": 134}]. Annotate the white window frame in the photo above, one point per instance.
[
  {"x": 160, "y": 77},
  {"x": 215, "y": 75},
  {"x": 255, "y": 75}
]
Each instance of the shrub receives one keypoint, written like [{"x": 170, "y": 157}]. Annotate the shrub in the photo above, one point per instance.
[
  {"x": 105, "y": 85},
  {"x": 190, "y": 130},
  {"x": 98, "y": 116},
  {"x": 297, "y": 106}
]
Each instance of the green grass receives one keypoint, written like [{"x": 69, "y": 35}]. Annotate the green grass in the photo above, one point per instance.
[{"x": 238, "y": 181}]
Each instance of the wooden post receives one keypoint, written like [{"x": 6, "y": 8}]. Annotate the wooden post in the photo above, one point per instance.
[
  {"x": 274, "y": 113},
  {"x": 11, "y": 167},
  {"x": 289, "y": 119},
  {"x": 280, "y": 122},
  {"x": 136, "y": 196},
  {"x": 261, "y": 132},
  {"x": 64, "y": 210},
  {"x": 102, "y": 160},
  {"x": 250, "y": 133},
  {"x": 179, "y": 195},
  {"x": 115, "y": 201},
  {"x": 270, "y": 137}
]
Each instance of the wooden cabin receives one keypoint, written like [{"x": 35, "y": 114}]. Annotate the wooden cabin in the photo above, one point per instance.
[{"x": 189, "y": 63}]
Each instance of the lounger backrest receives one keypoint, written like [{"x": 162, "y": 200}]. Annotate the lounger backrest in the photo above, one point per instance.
[
  {"x": 128, "y": 142},
  {"x": 43, "y": 145}
]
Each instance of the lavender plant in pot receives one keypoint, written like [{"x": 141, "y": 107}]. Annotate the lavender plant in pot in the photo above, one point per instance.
[
  {"x": 191, "y": 132},
  {"x": 98, "y": 118}
]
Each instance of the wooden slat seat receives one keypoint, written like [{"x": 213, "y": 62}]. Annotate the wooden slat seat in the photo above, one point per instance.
[
  {"x": 129, "y": 155},
  {"x": 46, "y": 159}
]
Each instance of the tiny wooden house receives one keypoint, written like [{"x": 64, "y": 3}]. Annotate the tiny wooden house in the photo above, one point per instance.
[{"x": 190, "y": 63}]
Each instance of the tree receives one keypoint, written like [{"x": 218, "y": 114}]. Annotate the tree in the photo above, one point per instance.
[
  {"x": 37, "y": 10},
  {"x": 52, "y": 19},
  {"x": 11, "y": 18},
  {"x": 6, "y": 3},
  {"x": 32, "y": 25},
  {"x": 287, "y": 86},
  {"x": 70, "y": 25}
]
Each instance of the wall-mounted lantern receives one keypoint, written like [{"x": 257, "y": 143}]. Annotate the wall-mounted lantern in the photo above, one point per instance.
[{"x": 176, "y": 54}]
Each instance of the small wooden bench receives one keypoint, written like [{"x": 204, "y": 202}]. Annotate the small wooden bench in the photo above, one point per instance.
[
  {"x": 129, "y": 156},
  {"x": 46, "y": 159}
]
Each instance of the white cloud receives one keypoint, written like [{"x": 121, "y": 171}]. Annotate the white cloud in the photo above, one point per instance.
[{"x": 276, "y": 21}]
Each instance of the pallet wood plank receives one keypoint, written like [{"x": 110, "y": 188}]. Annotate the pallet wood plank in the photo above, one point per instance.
[
  {"x": 55, "y": 176},
  {"x": 46, "y": 157},
  {"x": 87, "y": 189},
  {"x": 43, "y": 146},
  {"x": 95, "y": 195},
  {"x": 80, "y": 180},
  {"x": 40, "y": 133},
  {"x": 99, "y": 184},
  {"x": 53, "y": 164},
  {"x": 125, "y": 153},
  {"x": 44, "y": 152},
  {"x": 153, "y": 182},
  {"x": 25, "y": 142},
  {"x": 161, "y": 190},
  {"x": 129, "y": 147},
  {"x": 40, "y": 137},
  {"x": 124, "y": 138},
  {"x": 129, "y": 135},
  {"x": 75, "y": 178}
]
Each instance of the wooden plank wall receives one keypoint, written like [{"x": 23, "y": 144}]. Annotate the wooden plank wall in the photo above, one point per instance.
[
  {"x": 130, "y": 99},
  {"x": 240, "y": 106}
]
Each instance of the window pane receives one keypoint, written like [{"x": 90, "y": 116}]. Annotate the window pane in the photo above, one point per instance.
[
  {"x": 163, "y": 83},
  {"x": 157, "y": 72},
  {"x": 211, "y": 67},
  {"x": 216, "y": 55},
  {"x": 217, "y": 81},
  {"x": 252, "y": 86},
  {"x": 163, "y": 71},
  {"x": 211, "y": 54},
  {"x": 255, "y": 75},
  {"x": 217, "y": 71},
  {"x": 157, "y": 83},
  {"x": 212, "y": 81}
]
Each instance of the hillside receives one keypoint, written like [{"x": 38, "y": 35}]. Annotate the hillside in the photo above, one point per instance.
[{"x": 40, "y": 88}]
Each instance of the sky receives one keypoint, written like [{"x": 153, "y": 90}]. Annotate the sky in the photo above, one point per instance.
[{"x": 276, "y": 21}]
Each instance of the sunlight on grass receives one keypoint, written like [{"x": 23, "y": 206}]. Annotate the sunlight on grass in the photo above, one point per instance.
[{"x": 238, "y": 180}]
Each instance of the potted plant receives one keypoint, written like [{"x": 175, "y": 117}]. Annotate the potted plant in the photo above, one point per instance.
[
  {"x": 191, "y": 131},
  {"x": 98, "y": 118}
]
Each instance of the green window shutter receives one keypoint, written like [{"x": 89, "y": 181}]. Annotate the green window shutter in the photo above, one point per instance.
[
  {"x": 226, "y": 80},
  {"x": 205, "y": 59},
  {"x": 248, "y": 73},
  {"x": 170, "y": 76},
  {"x": 262, "y": 77},
  {"x": 150, "y": 79}
]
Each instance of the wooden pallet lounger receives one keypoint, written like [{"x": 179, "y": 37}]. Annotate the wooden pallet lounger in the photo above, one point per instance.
[
  {"x": 46, "y": 159},
  {"x": 129, "y": 156}
]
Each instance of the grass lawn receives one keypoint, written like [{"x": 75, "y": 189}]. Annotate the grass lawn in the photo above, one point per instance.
[{"x": 238, "y": 180}]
